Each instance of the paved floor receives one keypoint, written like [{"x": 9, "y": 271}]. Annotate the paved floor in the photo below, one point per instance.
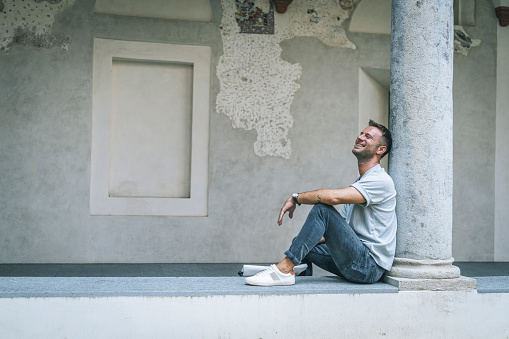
[
  {"x": 468, "y": 269},
  {"x": 74, "y": 280},
  {"x": 25, "y": 287}
]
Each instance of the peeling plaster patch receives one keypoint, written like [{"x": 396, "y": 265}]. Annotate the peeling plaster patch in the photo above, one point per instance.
[
  {"x": 462, "y": 42},
  {"x": 30, "y": 38},
  {"x": 29, "y": 23},
  {"x": 257, "y": 86},
  {"x": 252, "y": 19},
  {"x": 322, "y": 19}
]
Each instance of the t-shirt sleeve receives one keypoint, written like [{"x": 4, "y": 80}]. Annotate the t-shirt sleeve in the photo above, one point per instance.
[
  {"x": 372, "y": 188},
  {"x": 342, "y": 211}
]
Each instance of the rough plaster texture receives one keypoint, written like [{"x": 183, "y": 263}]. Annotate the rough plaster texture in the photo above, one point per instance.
[
  {"x": 257, "y": 86},
  {"x": 45, "y": 140},
  {"x": 30, "y": 22},
  {"x": 421, "y": 162}
]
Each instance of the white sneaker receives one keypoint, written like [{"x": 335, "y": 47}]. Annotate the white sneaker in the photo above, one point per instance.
[{"x": 272, "y": 276}]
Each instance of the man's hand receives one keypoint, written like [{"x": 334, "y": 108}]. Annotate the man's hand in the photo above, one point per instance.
[{"x": 289, "y": 206}]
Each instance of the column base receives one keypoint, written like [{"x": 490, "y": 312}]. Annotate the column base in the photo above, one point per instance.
[
  {"x": 424, "y": 268},
  {"x": 427, "y": 275},
  {"x": 455, "y": 284}
]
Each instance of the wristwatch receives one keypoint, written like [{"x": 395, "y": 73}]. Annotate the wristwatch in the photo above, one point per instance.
[{"x": 294, "y": 197}]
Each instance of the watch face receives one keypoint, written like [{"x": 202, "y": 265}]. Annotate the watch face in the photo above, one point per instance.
[{"x": 294, "y": 197}]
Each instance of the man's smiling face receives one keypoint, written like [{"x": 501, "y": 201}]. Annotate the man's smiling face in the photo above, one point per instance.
[{"x": 367, "y": 143}]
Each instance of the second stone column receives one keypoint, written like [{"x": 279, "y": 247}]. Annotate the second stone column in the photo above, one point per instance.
[{"x": 421, "y": 160}]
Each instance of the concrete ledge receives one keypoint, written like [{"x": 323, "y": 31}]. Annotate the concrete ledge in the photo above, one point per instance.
[
  {"x": 419, "y": 314},
  {"x": 27, "y": 287}
]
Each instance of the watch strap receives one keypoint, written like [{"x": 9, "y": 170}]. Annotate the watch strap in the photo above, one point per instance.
[{"x": 294, "y": 197}]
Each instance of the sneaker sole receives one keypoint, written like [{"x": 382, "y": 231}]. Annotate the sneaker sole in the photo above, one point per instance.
[{"x": 271, "y": 283}]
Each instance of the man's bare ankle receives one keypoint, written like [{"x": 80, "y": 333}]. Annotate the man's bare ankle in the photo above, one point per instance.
[{"x": 285, "y": 265}]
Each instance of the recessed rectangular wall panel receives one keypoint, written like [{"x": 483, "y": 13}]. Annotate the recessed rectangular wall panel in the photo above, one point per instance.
[
  {"x": 150, "y": 136},
  {"x": 150, "y": 129}
]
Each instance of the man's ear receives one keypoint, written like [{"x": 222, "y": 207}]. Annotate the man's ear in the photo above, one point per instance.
[{"x": 381, "y": 150}]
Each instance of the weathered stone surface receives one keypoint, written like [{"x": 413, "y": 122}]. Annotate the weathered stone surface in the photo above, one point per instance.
[
  {"x": 424, "y": 269},
  {"x": 421, "y": 162},
  {"x": 421, "y": 121}
]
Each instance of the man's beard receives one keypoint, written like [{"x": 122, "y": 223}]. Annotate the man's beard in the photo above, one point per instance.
[{"x": 364, "y": 154}]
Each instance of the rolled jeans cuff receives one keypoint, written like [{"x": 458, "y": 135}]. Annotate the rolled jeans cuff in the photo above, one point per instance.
[{"x": 292, "y": 258}]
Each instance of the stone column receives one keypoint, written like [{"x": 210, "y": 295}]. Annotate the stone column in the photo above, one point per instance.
[{"x": 421, "y": 159}]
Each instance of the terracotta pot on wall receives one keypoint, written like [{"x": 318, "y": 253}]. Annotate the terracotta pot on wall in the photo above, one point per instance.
[
  {"x": 502, "y": 15},
  {"x": 281, "y": 5}
]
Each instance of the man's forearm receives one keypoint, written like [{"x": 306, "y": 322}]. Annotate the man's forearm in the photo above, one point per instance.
[
  {"x": 321, "y": 196},
  {"x": 347, "y": 195}
]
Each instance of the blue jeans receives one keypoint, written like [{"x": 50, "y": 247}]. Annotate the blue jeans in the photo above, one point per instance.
[{"x": 342, "y": 254}]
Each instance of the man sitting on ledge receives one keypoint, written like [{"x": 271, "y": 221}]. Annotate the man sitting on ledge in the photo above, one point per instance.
[{"x": 357, "y": 243}]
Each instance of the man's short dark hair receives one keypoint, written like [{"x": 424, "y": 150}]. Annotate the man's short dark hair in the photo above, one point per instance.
[{"x": 386, "y": 136}]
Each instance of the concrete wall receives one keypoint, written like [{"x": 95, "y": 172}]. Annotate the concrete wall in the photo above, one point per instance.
[
  {"x": 45, "y": 138},
  {"x": 474, "y": 141},
  {"x": 502, "y": 153},
  {"x": 374, "y": 102}
]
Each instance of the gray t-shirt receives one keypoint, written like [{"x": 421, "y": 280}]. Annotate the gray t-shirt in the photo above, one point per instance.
[{"x": 375, "y": 222}]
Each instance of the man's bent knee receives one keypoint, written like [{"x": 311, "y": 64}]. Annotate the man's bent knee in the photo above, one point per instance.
[{"x": 322, "y": 207}]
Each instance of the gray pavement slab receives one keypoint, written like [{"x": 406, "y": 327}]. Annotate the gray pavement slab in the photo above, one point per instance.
[
  {"x": 16, "y": 287},
  {"x": 89, "y": 280},
  {"x": 483, "y": 269},
  {"x": 497, "y": 284}
]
